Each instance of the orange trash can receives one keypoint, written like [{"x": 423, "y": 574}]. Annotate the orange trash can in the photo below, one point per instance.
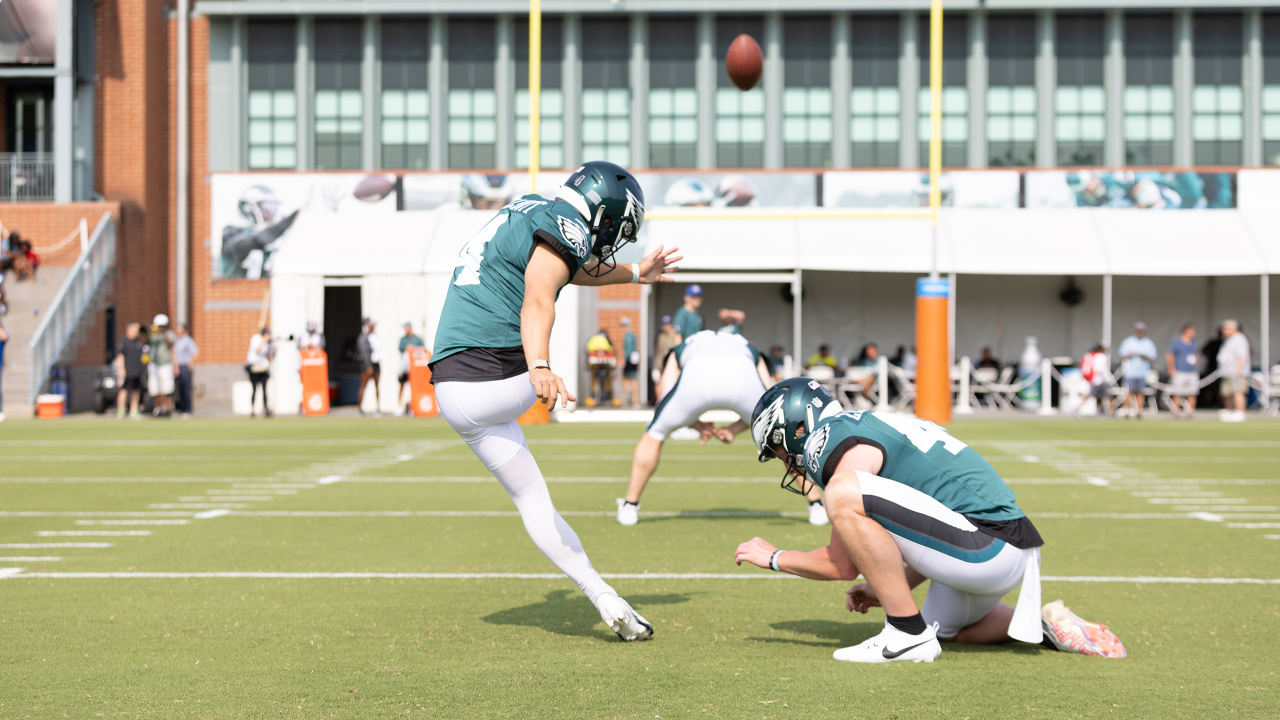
[
  {"x": 424, "y": 393},
  {"x": 315, "y": 382}
]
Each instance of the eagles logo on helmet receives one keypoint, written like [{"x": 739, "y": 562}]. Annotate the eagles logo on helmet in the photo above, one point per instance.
[{"x": 610, "y": 199}]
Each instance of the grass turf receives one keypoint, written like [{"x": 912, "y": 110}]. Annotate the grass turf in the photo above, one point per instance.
[{"x": 460, "y": 648}]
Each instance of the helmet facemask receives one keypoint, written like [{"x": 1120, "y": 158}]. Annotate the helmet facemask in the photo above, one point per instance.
[{"x": 611, "y": 236}]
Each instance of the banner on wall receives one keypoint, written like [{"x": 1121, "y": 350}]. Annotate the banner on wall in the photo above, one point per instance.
[
  {"x": 474, "y": 191},
  {"x": 729, "y": 189},
  {"x": 1140, "y": 189},
  {"x": 251, "y": 213},
  {"x": 910, "y": 188}
]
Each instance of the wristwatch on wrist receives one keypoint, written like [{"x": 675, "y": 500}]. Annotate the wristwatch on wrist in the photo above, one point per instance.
[{"x": 540, "y": 364}]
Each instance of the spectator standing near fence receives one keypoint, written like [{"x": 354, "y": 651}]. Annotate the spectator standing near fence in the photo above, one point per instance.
[
  {"x": 185, "y": 351},
  {"x": 369, "y": 347},
  {"x": 160, "y": 371},
  {"x": 1137, "y": 352},
  {"x": 1184, "y": 375},
  {"x": 688, "y": 320},
  {"x": 311, "y": 339},
  {"x": 130, "y": 370},
  {"x": 4, "y": 339},
  {"x": 630, "y": 364},
  {"x": 1233, "y": 362},
  {"x": 1095, "y": 367},
  {"x": 258, "y": 365},
  {"x": 408, "y": 340}
]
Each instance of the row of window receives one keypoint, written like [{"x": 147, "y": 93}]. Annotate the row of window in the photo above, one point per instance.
[{"x": 738, "y": 125}]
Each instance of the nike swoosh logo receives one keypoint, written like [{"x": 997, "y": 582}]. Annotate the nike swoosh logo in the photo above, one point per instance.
[{"x": 891, "y": 654}]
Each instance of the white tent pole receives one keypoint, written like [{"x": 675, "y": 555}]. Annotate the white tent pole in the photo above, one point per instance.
[
  {"x": 962, "y": 399},
  {"x": 646, "y": 292},
  {"x": 1046, "y": 388},
  {"x": 1106, "y": 308},
  {"x": 882, "y": 383},
  {"x": 951, "y": 320},
  {"x": 797, "y": 289}
]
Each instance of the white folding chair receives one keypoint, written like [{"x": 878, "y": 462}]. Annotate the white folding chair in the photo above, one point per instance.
[{"x": 850, "y": 386}]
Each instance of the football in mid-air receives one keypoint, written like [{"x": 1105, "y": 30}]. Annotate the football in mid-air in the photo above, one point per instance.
[
  {"x": 744, "y": 62},
  {"x": 374, "y": 188}
]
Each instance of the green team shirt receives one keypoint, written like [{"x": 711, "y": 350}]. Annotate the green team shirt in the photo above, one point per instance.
[
  {"x": 919, "y": 454},
  {"x": 687, "y": 322},
  {"x": 482, "y": 309}
]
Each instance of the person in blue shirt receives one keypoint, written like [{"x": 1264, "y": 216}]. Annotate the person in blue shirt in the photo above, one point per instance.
[
  {"x": 688, "y": 320},
  {"x": 1137, "y": 352},
  {"x": 1184, "y": 372},
  {"x": 630, "y": 363}
]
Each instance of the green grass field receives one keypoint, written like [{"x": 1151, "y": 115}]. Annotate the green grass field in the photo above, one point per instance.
[{"x": 1119, "y": 504}]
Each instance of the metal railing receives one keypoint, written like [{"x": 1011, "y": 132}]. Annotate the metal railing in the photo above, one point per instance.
[
  {"x": 74, "y": 297},
  {"x": 26, "y": 177}
]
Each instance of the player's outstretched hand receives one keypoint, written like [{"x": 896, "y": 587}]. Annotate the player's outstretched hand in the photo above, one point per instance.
[
  {"x": 756, "y": 551},
  {"x": 549, "y": 387},
  {"x": 654, "y": 268},
  {"x": 861, "y": 598}
]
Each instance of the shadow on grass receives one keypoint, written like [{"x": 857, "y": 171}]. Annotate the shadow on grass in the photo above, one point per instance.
[
  {"x": 774, "y": 516},
  {"x": 837, "y": 635},
  {"x": 828, "y": 634},
  {"x": 566, "y": 612}
]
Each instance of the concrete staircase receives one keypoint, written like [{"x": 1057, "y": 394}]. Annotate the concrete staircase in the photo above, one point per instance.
[{"x": 27, "y": 303}]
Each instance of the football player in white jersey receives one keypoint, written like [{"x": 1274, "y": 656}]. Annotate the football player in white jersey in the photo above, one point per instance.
[{"x": 710, "y": 370}]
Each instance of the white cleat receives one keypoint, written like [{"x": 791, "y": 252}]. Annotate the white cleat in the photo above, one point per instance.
[
  {"x": 893, "y": 645},
  {"x": 818, "y": 513},
  {"x": 624, "y": 621},
  {"x": 628, "y": 513}
]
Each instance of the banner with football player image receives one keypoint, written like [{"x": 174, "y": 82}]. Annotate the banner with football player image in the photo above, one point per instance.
[
  {"x": 1137, "y": 189},
  {"x": 907, "y": 188},
  {"x": 721, "y": 190},
  {"x": 251, "y": 214}
]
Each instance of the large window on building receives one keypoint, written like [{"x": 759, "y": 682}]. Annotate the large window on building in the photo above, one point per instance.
[
  {"x": 673, "y": 96},
  {"x": 739, "y": 115},
  {"x": 1217, "y": 100},
  {"x": 551, "y": 101},
  {"x": 1080, "y": 101},
  {"x": 1148, "y": 92},
  {"x": 272, "y": 103},
  {"x": 406, "y": 104},
  {"x": 473, "y": 104},
  {"x": 875, "y": 104},
  {"x": 1271, "y": 89},
  {"x": 955, "y": 92},
  {"x": 606, "y": 91},
  {"x": 806, "y": 94},
  {"x": 1011, "y": 90},
  {"x": 339, "y": 104}
]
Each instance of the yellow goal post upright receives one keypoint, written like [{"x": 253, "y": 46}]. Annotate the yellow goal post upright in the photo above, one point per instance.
[{"x": 535, "y": 91}]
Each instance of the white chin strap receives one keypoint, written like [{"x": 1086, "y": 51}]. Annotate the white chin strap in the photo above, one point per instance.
[{"x": 574, "y": 198}]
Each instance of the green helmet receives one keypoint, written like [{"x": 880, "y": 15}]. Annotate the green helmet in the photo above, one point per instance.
[
  {"x": 782, "y": 420},
  {"x": 611, "y": 201}
]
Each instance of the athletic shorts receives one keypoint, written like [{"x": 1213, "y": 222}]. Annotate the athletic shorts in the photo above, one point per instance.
[
  {"x": 1185, "y": 384},
  {"x": 377, "y": 369},
  {"x": 1234, "y": 386},
  {"x": 629, "y": 370},
  {"x": 720, "y": 384},
  {"x": 485, "y": 413},
  {"x": 969, "y": 571},
  {"x": 159, "y": 380},
  {"x": 1099, "y": 391},
  {"x": 403, "y": 377},
  {"x": 1136, "y": 384},
  {"x": 132, "y": 383}
]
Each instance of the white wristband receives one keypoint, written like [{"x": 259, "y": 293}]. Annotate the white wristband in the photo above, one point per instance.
[
  {"x": 773, "y": 561},
  {"x": 635, "y": 273}
]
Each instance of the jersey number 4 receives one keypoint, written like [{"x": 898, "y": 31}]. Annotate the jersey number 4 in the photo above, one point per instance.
[
  {"x": 473, "y": 252},
  {"x": 922, "y": 433}
]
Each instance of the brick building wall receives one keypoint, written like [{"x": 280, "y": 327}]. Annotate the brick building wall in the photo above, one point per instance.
[{"x": 46, "y": 225}]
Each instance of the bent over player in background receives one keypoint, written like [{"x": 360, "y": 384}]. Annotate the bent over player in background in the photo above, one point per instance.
[
  {"x": 901, "y": 490},
  {"x": 495, "y": 328},
  {"x": 708, "y": 371}
]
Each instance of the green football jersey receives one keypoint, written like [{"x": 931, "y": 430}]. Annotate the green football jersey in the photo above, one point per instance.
[
  {"x": 482, "y": 309},
  {"x": 918, "y": 454}
]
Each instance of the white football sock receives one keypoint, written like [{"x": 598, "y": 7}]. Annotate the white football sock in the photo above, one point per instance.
[{"x": 523, "y": 481}]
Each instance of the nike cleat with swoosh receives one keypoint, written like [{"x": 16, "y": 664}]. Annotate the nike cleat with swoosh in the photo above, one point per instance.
[
  {"x": 622, "y": 619},
  {"x": 1070, "y": 633},
  {"x": 893, "y": 645}
]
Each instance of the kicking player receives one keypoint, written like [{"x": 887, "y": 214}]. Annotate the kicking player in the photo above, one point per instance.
[
  {"x": 710, "y": 370},
  {"x": 901, "y": 490},
  {"x": 491, "y": 346}
]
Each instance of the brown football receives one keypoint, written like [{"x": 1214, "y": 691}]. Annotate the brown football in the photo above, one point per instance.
[{"x": 744, "y": 62}]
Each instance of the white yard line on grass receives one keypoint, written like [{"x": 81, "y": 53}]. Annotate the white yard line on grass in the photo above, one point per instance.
[
  {"x": 30, "y": 559},
  {"x": 1254, "y": 526},
  {"x": 88, "y": 513},
  {"x": 247, "y": 442},
  {"x": 92, "y": 533},
  {"x": 132, "y": 522},
  {"x": 16, "y": 573},
  {"x": 40, "y": 546}
]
